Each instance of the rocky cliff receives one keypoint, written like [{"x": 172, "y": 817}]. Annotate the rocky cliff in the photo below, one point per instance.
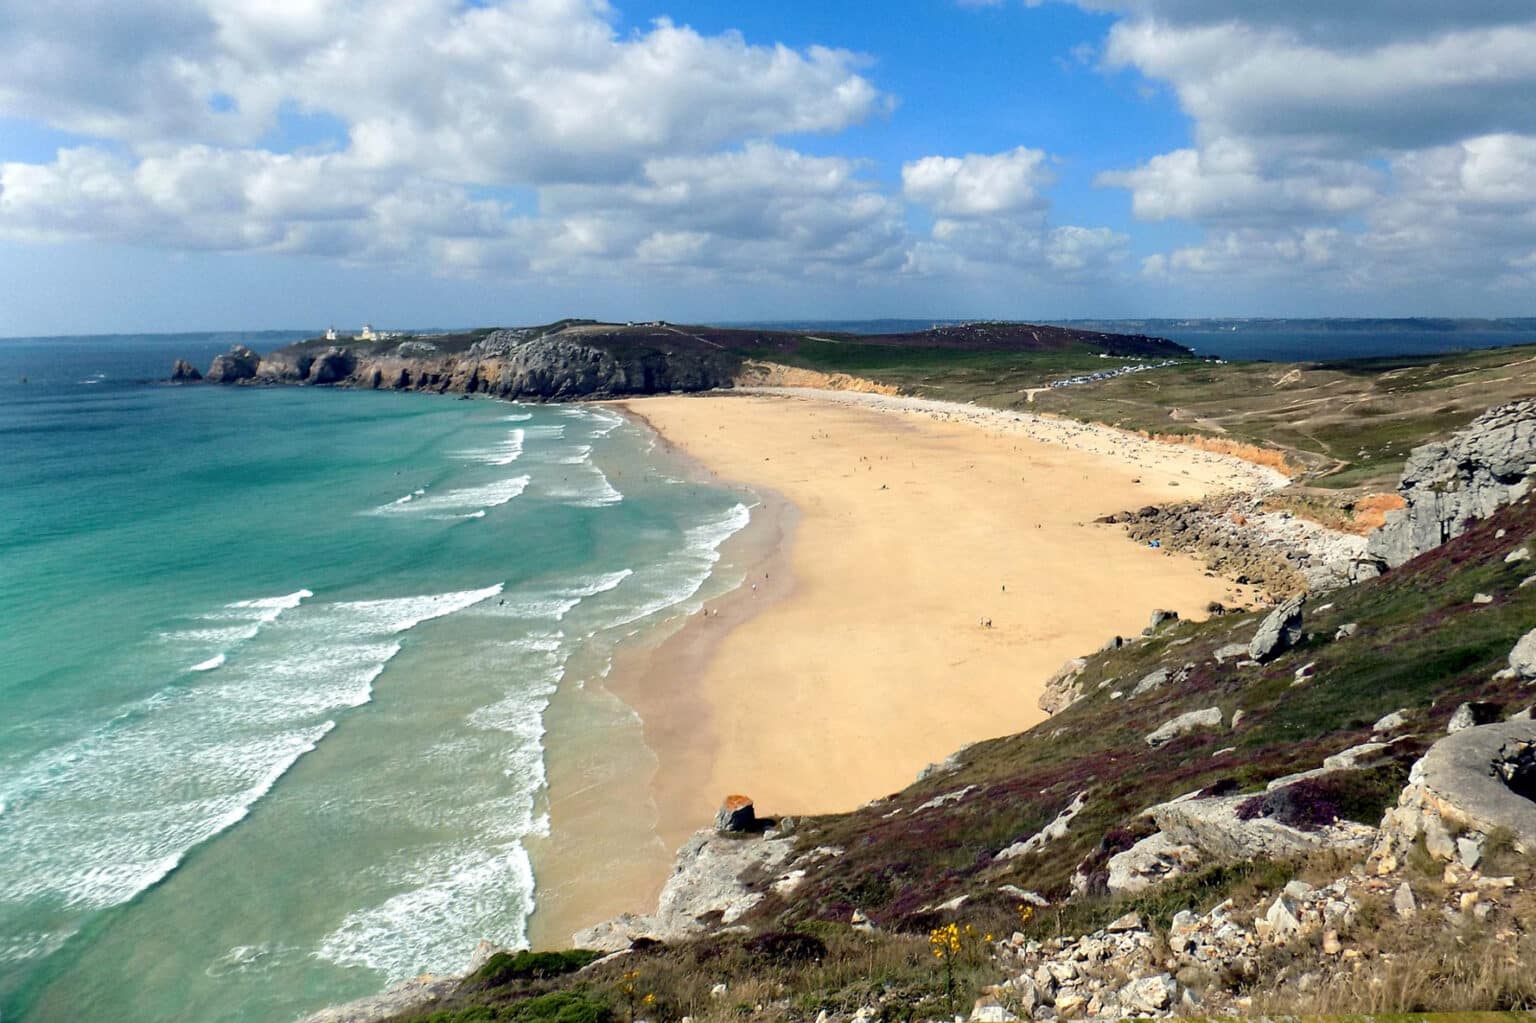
[
  {"x": 1468, "y": 476},
  {"x": 538, "y": 364}
]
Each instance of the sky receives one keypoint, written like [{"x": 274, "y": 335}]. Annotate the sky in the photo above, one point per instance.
[{"x": 246, "y": 164}]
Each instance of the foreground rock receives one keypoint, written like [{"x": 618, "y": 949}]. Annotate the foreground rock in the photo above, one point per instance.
[
  {"x": 704, "y": 892},
  {"x": 1468, "y": 476},
  {"x": 1469, "y": 785}
]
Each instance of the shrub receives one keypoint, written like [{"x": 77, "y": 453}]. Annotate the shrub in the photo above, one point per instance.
[
  {"x": 505, "y": 967},
  {"x": 784, "y": 948}
]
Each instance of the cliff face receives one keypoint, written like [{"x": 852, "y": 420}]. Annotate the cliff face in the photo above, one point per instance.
[
  {"x": 1467, "y": 476},
  {"x": 515, "y": 364}
]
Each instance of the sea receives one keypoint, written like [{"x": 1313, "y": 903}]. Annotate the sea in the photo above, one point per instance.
[{"x": 275, "y": 665}]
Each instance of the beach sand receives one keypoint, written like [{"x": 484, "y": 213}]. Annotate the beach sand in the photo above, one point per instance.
[{"x": 855, "y": 653}]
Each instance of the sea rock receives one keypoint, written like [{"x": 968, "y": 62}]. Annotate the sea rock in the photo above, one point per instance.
[
  {"x": 235, "y": 365},
  {"x": 331, "y": 367},
  {"x": 285, "y": 366},
  {"x": 1447, "y": 484},
  {"x": 183, "y": 372},
  {"x": 1211, "y": 717},
  {"x": 1280, "y": 630},
  {"x": 736, "y": 815}
]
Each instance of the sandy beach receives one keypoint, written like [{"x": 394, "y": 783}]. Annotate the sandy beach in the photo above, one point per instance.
[{"x": 919, "y": 571}]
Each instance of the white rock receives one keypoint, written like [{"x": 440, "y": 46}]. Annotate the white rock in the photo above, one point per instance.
[
  {"x": 1211, "y": 717},
  {"x": 1404, "y": 903},
  {"x": 1149, "y": 994},
  {"x": 1518, "y": 554}
]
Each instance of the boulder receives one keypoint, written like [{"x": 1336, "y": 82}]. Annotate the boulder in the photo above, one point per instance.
[
  {"x": 183, "y": 372},
  {"x": 735, "y": 816},
  {"x": 1280, "y": 630},
  {"x": 1211, "y": 717},
  {"x": 1522, "y": 659},
  {"x": 1468, "y": 476},
  {"x": 1213, "y": 829},
  {"x": 235, "y": 365},
  {"x": 1161, "y": 617},
  {"x": 1149, "y": 994},
  {"x": 1472, "y": 714}
]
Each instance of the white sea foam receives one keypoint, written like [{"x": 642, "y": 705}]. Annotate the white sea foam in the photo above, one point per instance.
[
  {"x": 517, "y": 417},
  {"x": 93, "y": 822},
  {"x": 461, "y": 503},
  {"x": 675, "y": 582},
  {"x": 505, "y": 453},
  {"x": 556, "y": 602},
  {"x": 233, "y": 624},
  {"x": 480, "y": 887},
  {"x": 216, "y": 661}
]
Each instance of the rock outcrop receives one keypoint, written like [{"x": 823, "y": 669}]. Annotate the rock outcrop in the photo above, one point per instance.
[
  {"x": 1461, "y": 790},
  {"x": 234, "y": 366},
  {"x": 704, "y": 891},
  {"x": 540, "y": 364},
  {"x": 183, "y": 372},
  {"x": 1469, "y": 476},
  {"x": 1278, "y": 632}
]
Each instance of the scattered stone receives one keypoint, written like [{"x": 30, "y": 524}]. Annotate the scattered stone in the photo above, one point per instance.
[
  {"x": 1161, "y": 617},
  {"x": 860, "y": 922},
  {"x": 1054, "y": 830},
  {"x": 1518, "y": 554},
  {"x": 1347, "y": 630},
  {"x": 1403, "y": 902},
  {"x": 1391, "y": 722},
  {"x": 1482, "y": 598},
  {"x": 1231, "y": 650},
  {"x": 1279, "y": 631},
  {"x": 1469, "y": 851},
  {"x": 987, "y": 1011},
  {"x": 1149, "y": 994},
  {"x": 1150, "y": 682},
  {"x": 1237, "y": 718},
  {"x": 1331, "y": 944},
  {"x": 1211, "y": 717},
  {"x": 1282, "y": 919},
  {"x": 1130, "y": 922}
]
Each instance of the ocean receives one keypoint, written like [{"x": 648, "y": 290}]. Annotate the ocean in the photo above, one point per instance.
[{"x": 275, "y": 665}]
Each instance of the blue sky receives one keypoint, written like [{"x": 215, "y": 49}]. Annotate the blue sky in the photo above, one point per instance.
[{"x": 202, "y": 164}]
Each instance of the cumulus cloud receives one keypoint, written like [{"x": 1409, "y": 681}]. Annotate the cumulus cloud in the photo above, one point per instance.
[
  {"x": 1381, "y": 141},
  {"x": 976, "y": 184},
  {"x": 990, "y": 211}
]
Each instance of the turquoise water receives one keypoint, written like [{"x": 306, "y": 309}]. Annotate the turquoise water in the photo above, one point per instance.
[{"x": 273, "y": 670}]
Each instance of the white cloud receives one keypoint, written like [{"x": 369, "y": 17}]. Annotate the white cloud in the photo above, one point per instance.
[{"x": 976, "y": 184}]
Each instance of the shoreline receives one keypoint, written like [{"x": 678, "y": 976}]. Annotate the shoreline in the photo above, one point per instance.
[
  {"x": 631, "y": 826},
  {"x": 784, "y": 694}
]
